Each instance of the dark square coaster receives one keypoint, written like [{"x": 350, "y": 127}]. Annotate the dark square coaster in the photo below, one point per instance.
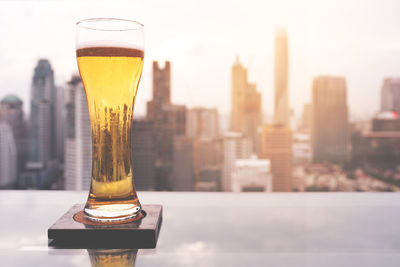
[{"x": 143, "y": 233}]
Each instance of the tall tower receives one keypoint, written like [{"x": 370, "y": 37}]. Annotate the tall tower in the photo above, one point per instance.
[
  {"x": 330, "y": 119},
  {"x": 78, "y": 149},
  {"x": 43, "y": 119},
  {"x": 239, "y": 84},
  {"x": 281, "y": 108},
  {"x": 161, "y": 91},
  {"x": 276, "y": 138},
  {"x": 168, "y": 121},
  {"x": 252, "y": 116},
  {"x": 246, "y": 110}
]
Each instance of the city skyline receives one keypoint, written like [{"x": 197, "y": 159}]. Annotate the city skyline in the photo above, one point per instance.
[
  {"x": 194, "y": 155},
  {"x": 354, "y": 47}
]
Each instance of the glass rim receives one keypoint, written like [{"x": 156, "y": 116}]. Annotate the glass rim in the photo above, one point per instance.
[{"x": 85, "y": 23}]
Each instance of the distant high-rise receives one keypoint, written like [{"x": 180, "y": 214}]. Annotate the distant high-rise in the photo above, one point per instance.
[
  {"x": 252, "y": 116},
  {"x": 8, "y": 156},
  {"x": 173, "y": 124},
  {"x": 78, "y": 149},
  {"x": 12, "y": 113},
  {"x": 168, "y": 121},
  {"x": 246, "y": 109},
  {"x": 43, "y": 136},
  {"x": 330, "y": 119},
  {"x": 202, "y": 123},
  {"x": 390, "y": 95},
  {"x": 281, "y": 107},
  {"x": 161, "y": 91},
  {"x": 276, "y": 145},
  {"x": 235, "y": 146},
  {"x": 143, "y": 154},
  {"x": 239, "y": 85}
]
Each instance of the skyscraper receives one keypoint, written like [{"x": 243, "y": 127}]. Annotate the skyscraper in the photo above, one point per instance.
[
  {"x": 12, "y": 113},
  {"x": 161, "y": 91},
  {"x": 252, "y": 116},
  {"x": 281, "y": 107},
  {"x": 78, "y": 149},
  {"x": 276, "y": 145},
  {"x": 330, "y": 119},
  {"x": 276, "y": 138},
  {"x": 390, "y": 95},
  {"x": 168, "y": 121},
  {"x": 43, "y": 163},
  {"x": 239, "y": 85},
  {"x": 8, "y": 156},
  {"x": 246, "y": 109},
  {"x": 43, "y": 117}
]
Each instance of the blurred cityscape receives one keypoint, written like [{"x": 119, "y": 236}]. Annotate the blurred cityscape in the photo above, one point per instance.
[{"x": 176, "y": 148}]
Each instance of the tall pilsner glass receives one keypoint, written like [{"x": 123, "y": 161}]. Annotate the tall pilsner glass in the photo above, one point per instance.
[{"x": 110, "y": 59}]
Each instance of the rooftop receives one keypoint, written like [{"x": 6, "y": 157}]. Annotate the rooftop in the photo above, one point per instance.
[
  {"x": 11, "y": 99},
  {"x": 206, "y": 229}
]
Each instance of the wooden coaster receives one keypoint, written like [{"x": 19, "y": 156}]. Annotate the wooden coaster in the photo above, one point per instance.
[
  {"x": 143, "y": 232},
  {"x": 80, "y": 217}
]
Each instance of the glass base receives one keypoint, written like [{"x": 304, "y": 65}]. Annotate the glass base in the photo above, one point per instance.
[{"x": 111, "y": 212}]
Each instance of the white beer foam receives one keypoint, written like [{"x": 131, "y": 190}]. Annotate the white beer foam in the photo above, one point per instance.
[{"x": 108, "y": 43}]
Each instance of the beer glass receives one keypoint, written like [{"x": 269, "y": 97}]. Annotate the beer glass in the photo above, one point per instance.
[{"x": 110, "y": 59}]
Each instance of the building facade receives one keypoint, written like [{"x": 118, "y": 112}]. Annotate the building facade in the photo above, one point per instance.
[
  {"x": 202, "y": 123},
  {"x": 281, "y": 102},
  {"x": 143, "y": 154},
  {"x": 43, "y": 110},
  {"x": 44, "y": 162},
  {"x": 380, "y": 146},
  {"x": 252, "y": 175},
  {"x": 390, "y": 95},
  {"x": 8, "y": 157},
  {"x": 276, "y": 145},
  {"x": 246, "y": 108},
  {"x": 78, "y": 141},
  {"x": 235, "y": 146},
  {"x": 168, "y": 121},
  {"x": 182, "y": 178},
  {"x": 11, "y": 112},
  {"x": 330, "y": 119}
]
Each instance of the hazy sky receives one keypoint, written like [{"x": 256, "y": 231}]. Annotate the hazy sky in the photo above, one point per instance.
[{"x": 357, "y": 39}]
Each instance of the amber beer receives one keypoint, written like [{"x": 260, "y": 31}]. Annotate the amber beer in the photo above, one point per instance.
[{"x": 111, "y": 75}]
